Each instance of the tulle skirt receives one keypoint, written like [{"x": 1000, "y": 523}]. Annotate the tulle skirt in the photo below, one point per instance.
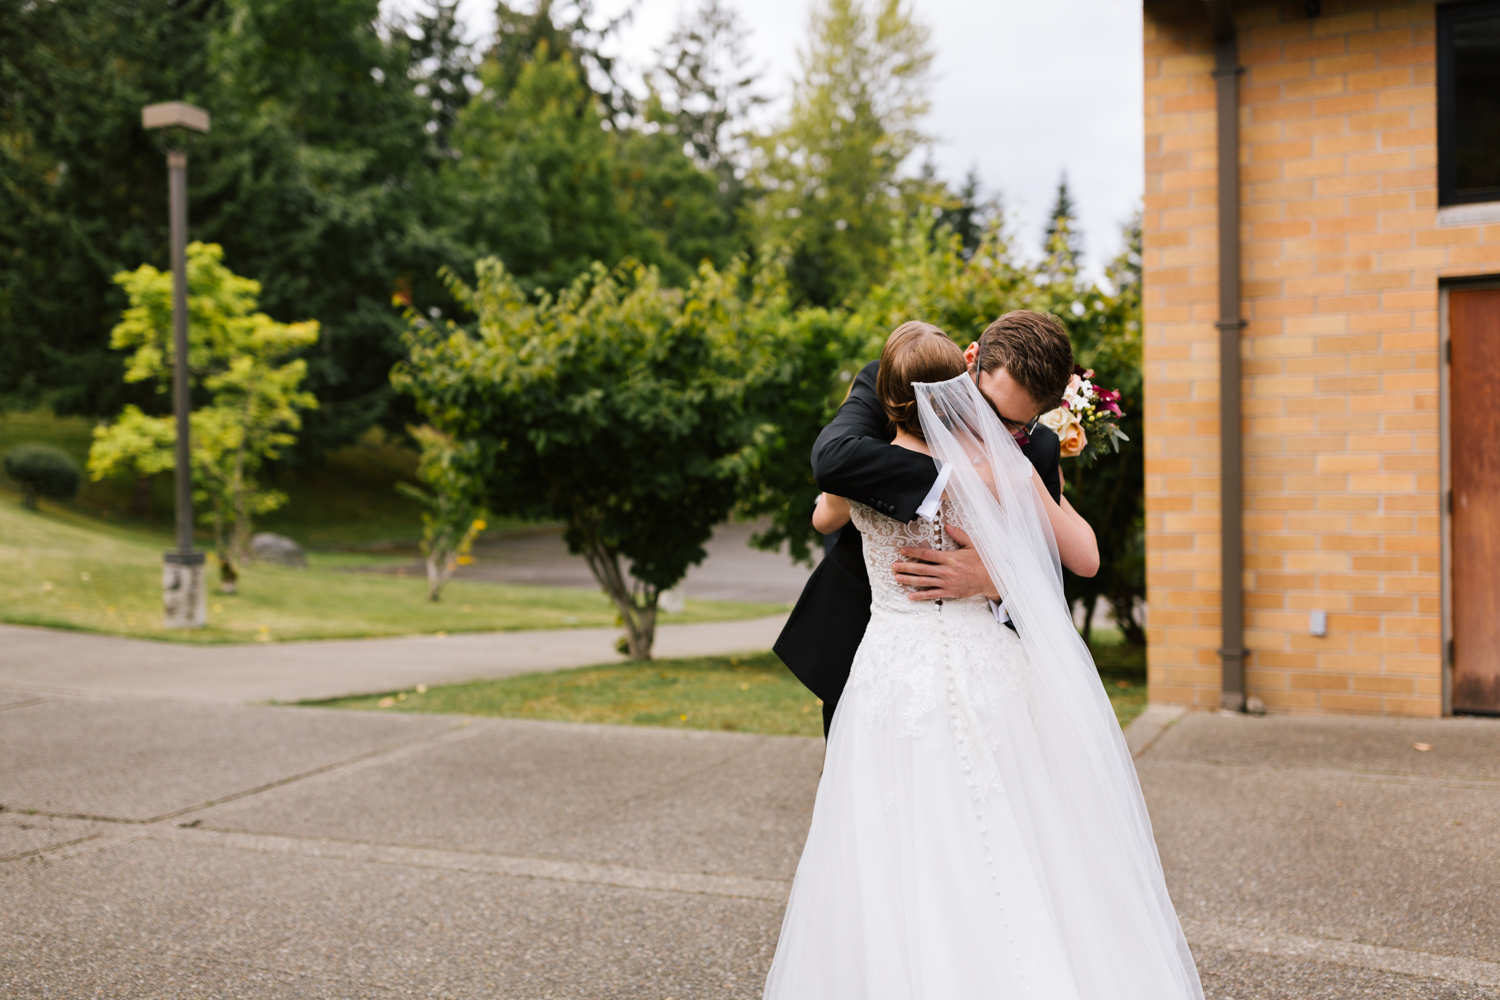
[{"x": 937, "y": 863}]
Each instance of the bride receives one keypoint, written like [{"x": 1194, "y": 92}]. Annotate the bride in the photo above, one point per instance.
[{"x": 979, "y": 831}]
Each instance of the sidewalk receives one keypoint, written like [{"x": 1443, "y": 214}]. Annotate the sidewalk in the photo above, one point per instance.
[
  {"x": 80, "y": 663},
  {"x": 163, "y": 849}
]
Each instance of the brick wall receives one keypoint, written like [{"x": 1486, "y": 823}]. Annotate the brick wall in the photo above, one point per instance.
[{"x": 1342, "y": 256}]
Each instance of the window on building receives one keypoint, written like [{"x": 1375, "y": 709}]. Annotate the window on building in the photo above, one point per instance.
[{"x": 1468, "y": 54}]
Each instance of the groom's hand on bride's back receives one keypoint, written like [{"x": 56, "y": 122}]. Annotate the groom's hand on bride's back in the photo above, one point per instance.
[{"x": 947, "y": 576}]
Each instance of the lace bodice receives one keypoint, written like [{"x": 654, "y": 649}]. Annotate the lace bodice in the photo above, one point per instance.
[
  {"x": 884, "y": 538},
  {"x": 915, "y": 653}
]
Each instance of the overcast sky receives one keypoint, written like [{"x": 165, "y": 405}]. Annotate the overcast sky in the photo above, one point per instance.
[{"x": 1023, "y": 90}]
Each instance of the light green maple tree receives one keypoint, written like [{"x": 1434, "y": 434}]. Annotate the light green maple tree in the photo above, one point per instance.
[{"x": 243, "y": 360}]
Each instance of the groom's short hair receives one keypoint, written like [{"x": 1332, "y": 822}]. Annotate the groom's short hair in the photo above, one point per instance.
[{"x": 1034, "y": 349}]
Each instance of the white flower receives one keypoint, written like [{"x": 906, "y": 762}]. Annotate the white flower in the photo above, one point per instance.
[{"x": 1056, "y": 420}]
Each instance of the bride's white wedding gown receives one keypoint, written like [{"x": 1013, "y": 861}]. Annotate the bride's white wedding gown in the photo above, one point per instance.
[{"x": 942, "y": 862}]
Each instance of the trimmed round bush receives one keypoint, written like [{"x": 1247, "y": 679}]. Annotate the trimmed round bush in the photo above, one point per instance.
[{"x": 42, "y": 471}]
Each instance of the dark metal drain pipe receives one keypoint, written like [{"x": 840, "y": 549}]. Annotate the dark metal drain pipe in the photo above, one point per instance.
[{"x": 1231, "y": 475}]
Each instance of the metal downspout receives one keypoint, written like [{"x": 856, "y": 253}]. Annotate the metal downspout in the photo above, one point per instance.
[{"x": 1231, "y": 475}]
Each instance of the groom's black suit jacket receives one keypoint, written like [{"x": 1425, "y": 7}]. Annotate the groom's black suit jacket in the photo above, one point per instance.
[{"x": 853, "y": 458}]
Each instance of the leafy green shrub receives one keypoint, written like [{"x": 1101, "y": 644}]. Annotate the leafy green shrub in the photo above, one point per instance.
[{"x": 42, "y": 471}]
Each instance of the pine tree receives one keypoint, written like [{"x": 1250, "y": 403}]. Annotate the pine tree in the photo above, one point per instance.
[
  {"x": 967, "y": 215},
  {"x": 830, "y": 173},
  {"x": 566, "y": 30},
  {"x": 445, "y": 66},
  {"x": 707, "y": 89},
  {"x": 1062, "y": 242}
]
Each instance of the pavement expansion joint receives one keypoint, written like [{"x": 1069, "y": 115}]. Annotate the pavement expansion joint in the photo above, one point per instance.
[
  {"x": 1150, "y": 726},
  {"x": 1212, "y": 934},
  {"x": 620, "y": 876},
  {"x": 23, "y": 704},
  {"x": 345, "y": 766},
  {"x": 20, "y": 855}
]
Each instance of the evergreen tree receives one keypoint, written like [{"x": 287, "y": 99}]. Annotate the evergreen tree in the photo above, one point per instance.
[
  {"x": 829, "y": 174},
  {"x": 319, "y": 182},
  {"x": 568, "y": 30},
  {"x": 1062, "y": 242},
  {"x": 535, "y": 180},
  {"x": 707, "y": 89},
  {"x": 83, "y": 189},
  {"x": 966, "y": 214},
  {"x": 444, "y": 64}
]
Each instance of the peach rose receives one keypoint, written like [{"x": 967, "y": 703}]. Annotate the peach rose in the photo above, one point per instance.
[{"x": 1073, "y": 440}]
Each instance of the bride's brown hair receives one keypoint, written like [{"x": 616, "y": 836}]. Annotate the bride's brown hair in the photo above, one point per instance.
[{"x": 914, "y": 352}]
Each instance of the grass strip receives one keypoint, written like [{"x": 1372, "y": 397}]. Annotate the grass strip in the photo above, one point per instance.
[{"x": 746, "y": 694}]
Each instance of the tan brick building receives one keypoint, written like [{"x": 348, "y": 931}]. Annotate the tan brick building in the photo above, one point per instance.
[{"x": 1364, "y": 240}]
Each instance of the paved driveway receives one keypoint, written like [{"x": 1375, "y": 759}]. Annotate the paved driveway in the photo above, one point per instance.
[
  {"x": 153, "y": 848},
  {"x": 732, "y": 570}
]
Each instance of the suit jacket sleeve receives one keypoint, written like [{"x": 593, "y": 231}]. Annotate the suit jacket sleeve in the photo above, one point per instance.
[{"x": 854, "y": 458}]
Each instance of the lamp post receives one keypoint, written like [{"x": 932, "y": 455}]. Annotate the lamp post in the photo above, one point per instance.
[{"x": 184, "y": 594}]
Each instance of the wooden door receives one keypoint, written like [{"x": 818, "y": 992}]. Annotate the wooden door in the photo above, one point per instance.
[{"x": 1474, "y": 440}]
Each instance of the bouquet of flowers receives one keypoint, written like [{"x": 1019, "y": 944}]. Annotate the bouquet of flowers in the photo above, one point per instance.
[{"x": 1087, "y": 419}]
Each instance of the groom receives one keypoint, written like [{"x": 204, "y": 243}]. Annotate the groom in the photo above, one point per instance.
[{"x": 1021, "y": 365}]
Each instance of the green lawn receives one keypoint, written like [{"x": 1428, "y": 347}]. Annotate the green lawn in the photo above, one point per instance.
[
  {"x": 747, "y": 694},
  {"x": 751, "y": 694},
  {"x": 1122, "y": 668},
  {"x": 348, "y": 499},
  {"x": 61, "y": 568}
]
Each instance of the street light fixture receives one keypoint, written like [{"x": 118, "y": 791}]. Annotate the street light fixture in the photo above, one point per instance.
[{"x": 184, "y": 594}]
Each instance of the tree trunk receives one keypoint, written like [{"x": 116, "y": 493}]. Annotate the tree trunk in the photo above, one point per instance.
[
  {"x": 229, "y": 578},
  {"x": 439, "y": 569},
  {"x": 1089, "y": 604},
  {"x": 28, "y": 496},
  {"x": 239, "y": 538},
  {"x": 140, "y": 500},
  {"x": 1124, "y": 612},
  {"x": 637, "y": 605}
]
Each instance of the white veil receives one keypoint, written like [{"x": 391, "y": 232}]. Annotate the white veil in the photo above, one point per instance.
[{"x": 1087, "y": 814}]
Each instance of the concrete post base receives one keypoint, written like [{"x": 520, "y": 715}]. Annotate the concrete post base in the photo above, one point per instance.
[{"x": 184, "y": 594}]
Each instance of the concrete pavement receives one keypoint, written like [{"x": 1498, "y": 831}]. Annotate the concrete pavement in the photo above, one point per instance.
[
  {"x": 34, "y": 659},
  {"x": 168, "y": 849}
]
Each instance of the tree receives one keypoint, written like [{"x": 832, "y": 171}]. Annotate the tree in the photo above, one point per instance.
[
  {"x": 1062, "y": 243},
  {"x": 566, "y": 28},
  {"x": 535, "y": 182},
  {"x": 239, "y": 359},
  {"x": 1110, "y": 494},
  {"x": 444, "y": 65},
  {"x": 618, "y": 406},
  {"x": 42, "y": 471},
  {"x": 706, "y": 90},
  {"x": 801, "y": 390},
  {"x": 965, "y": 214},
  {"x": 933, "y": 278},
  {"x": 82, "y": 186},
  {"x": 320, "y": 178},
  {"x": 829, "y": 174},
  {"x": 455, "y": 511}
]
